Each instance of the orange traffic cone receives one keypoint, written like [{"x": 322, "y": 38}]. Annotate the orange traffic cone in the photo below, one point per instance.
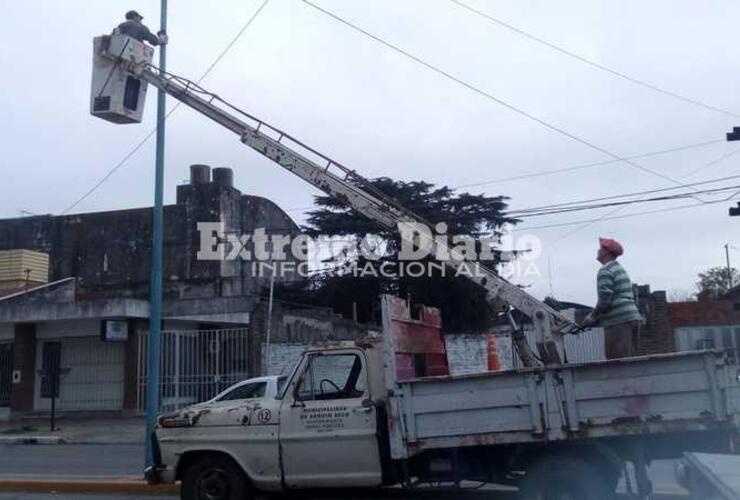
[{"x": 494, "y": 364}]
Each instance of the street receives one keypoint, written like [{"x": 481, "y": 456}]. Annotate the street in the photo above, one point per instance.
[
  {"x": 125, "y": 461},
  {"x": 72, "y": 461}
]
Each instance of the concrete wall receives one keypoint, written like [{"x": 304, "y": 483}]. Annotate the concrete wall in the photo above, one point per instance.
[
  {"x": 110, "y": 251},
  {"x": 282, "y": 357},
  {"x": 291, "y": 330},
  {"x": 71, "y": 328},
  {"x": 7, "y": 331}
]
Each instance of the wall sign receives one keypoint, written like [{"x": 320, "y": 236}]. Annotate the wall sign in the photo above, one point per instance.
[{"x": 114, "y": 330}]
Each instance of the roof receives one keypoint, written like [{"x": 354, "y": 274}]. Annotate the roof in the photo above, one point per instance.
[{"x": 37, "y": 289}]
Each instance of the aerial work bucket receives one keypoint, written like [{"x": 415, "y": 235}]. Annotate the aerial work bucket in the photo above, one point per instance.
[{"x": 117, "y": 95}]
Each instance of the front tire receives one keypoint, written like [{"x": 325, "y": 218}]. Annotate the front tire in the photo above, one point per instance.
[{"x": 215, "y": 478}]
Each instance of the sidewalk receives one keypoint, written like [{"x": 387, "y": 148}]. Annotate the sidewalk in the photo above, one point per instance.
[{"x": 77, "y": 429}]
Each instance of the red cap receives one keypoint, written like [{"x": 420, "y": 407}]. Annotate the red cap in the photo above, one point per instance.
[{"x": 611, "y": 246}]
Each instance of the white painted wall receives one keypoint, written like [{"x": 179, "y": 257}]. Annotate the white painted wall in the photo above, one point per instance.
[{"x": 282, "y": 357}]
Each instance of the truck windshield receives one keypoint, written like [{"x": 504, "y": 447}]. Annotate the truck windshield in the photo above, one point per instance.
[{"x": 333, "y": 376}]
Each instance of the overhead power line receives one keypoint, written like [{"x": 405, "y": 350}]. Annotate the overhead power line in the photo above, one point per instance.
[
  {"x": 488, "y": 95},
  {"x": 595, "y": 164},
  {"x": 592, "y": 63},
  {"x": 595, "y": 206},
  {"x": 625, "y": 216},
  {"x": 582, "y": 166},
  {"x": 151, "y": 133},
  {"x": 612, "y": 214},
  {"x": 627, "y": 195}
]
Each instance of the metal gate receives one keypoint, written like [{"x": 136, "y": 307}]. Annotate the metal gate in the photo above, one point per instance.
[
  {"x": 6, "y": 373},
  {"x": 195, "y": 365}
]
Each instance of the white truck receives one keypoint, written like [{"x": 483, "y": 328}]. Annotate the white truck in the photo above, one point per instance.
[{"x": 345, "y": 419}]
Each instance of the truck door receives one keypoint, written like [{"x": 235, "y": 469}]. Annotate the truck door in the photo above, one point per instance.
[{"x": 328, "y": 423}]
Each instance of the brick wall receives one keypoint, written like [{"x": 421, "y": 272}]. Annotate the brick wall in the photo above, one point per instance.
[
  {"x": 656, "y": 335},
  {"x": 705, "y": 313}
]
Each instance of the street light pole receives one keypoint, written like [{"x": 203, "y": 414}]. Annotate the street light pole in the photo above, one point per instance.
[{"x": 155, "y": 278}]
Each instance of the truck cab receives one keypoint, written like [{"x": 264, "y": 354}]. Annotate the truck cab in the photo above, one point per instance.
[{"x": 321, "y": 431}]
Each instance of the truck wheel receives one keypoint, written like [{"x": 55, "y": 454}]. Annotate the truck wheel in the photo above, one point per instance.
[
  {"x": 565, "y": 478},
  {"x": 214, "y": 478}
]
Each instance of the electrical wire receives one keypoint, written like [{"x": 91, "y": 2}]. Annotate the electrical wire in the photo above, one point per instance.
[
  {"x": 592, "y": 63},
  {"x": 555, "y": 211},
  {"x": 625, "y": 216},
  {"x": 488, "y": 95},
  {"x": 146, "y": 138},
  {"x": 610, "y": 215},
  {"x": 582, "y": 166},
  {"x": 651, "y": 191},
  {"x": 516, "y": 213}
]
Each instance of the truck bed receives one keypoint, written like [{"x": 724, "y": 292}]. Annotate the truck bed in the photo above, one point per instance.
[{"x": 654, "y": 394}]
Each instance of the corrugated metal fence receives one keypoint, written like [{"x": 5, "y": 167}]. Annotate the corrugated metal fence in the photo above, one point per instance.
[
  {"x": 196, "y": 365},
  {"x": 584, "y": 347}
]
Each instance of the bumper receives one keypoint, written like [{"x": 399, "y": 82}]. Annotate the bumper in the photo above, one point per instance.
[{"x": 159, "y": 475}]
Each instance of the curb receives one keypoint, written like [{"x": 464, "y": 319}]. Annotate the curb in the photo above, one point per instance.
[
  {"x": 32, "y": 440},
  {"x": 66, "y": 486}
]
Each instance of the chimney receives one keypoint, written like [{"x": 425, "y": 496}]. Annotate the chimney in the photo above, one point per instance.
[
  {"x": 223, "y": 177},
  {"x": 200, "y": 174}
]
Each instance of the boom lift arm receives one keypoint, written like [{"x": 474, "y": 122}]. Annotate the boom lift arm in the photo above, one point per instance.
[{"x": 346, "y": 185}]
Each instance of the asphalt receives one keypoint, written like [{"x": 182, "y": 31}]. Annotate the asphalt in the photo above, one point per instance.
[
  {"x": 117, "y": 468},
  {"x": 72, "y": 461}
]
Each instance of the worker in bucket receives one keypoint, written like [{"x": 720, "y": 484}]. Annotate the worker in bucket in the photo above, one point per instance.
[
  {"x": 134, "y": 28},
  {"x": 615, "y": 310}
]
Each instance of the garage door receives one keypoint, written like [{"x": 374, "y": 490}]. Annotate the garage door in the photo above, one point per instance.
[{"x": 96, "y": 375}]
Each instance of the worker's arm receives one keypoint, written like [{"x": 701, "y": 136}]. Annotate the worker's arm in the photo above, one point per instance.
[
  {"x": 149, "y": 36},
  {"x": 605, "y": 290}
]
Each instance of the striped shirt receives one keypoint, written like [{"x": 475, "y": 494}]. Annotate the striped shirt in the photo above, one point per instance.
[{"x": 616, "y": 299}]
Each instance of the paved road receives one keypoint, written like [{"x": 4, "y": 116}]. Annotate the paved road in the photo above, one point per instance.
[
  {"x": 115, "y": 461},
  {"x": 71, "y": 461},
  {"x": 77, "y": 496}
]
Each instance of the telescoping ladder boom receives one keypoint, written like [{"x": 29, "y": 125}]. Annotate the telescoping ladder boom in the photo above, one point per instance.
[{"x": 347, "y": 186}]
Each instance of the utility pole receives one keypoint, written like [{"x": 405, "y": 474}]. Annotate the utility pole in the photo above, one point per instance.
[
  {"x": 734, "y": 136},
  {"x": 729, "y": 269},
  {"x": 155, "y": 278}
]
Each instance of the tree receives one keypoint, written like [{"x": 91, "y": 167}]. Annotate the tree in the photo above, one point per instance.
[
  {"x": 717, "y": 280},
  {"x": 462, "y": 302}
]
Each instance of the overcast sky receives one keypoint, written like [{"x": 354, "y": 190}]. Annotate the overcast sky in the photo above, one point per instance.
[{"x": 384, "y": 115}]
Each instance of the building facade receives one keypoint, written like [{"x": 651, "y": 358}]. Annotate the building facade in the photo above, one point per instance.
[{"x": 89, "y": 315}]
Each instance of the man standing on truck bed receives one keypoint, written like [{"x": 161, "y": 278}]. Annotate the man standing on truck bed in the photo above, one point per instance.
[
  {"x": 615, "y": 310},
  {"x": 134, "y": 28}
]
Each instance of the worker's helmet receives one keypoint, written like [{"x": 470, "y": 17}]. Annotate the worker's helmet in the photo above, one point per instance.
[{"x": 133, "y": 15}]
